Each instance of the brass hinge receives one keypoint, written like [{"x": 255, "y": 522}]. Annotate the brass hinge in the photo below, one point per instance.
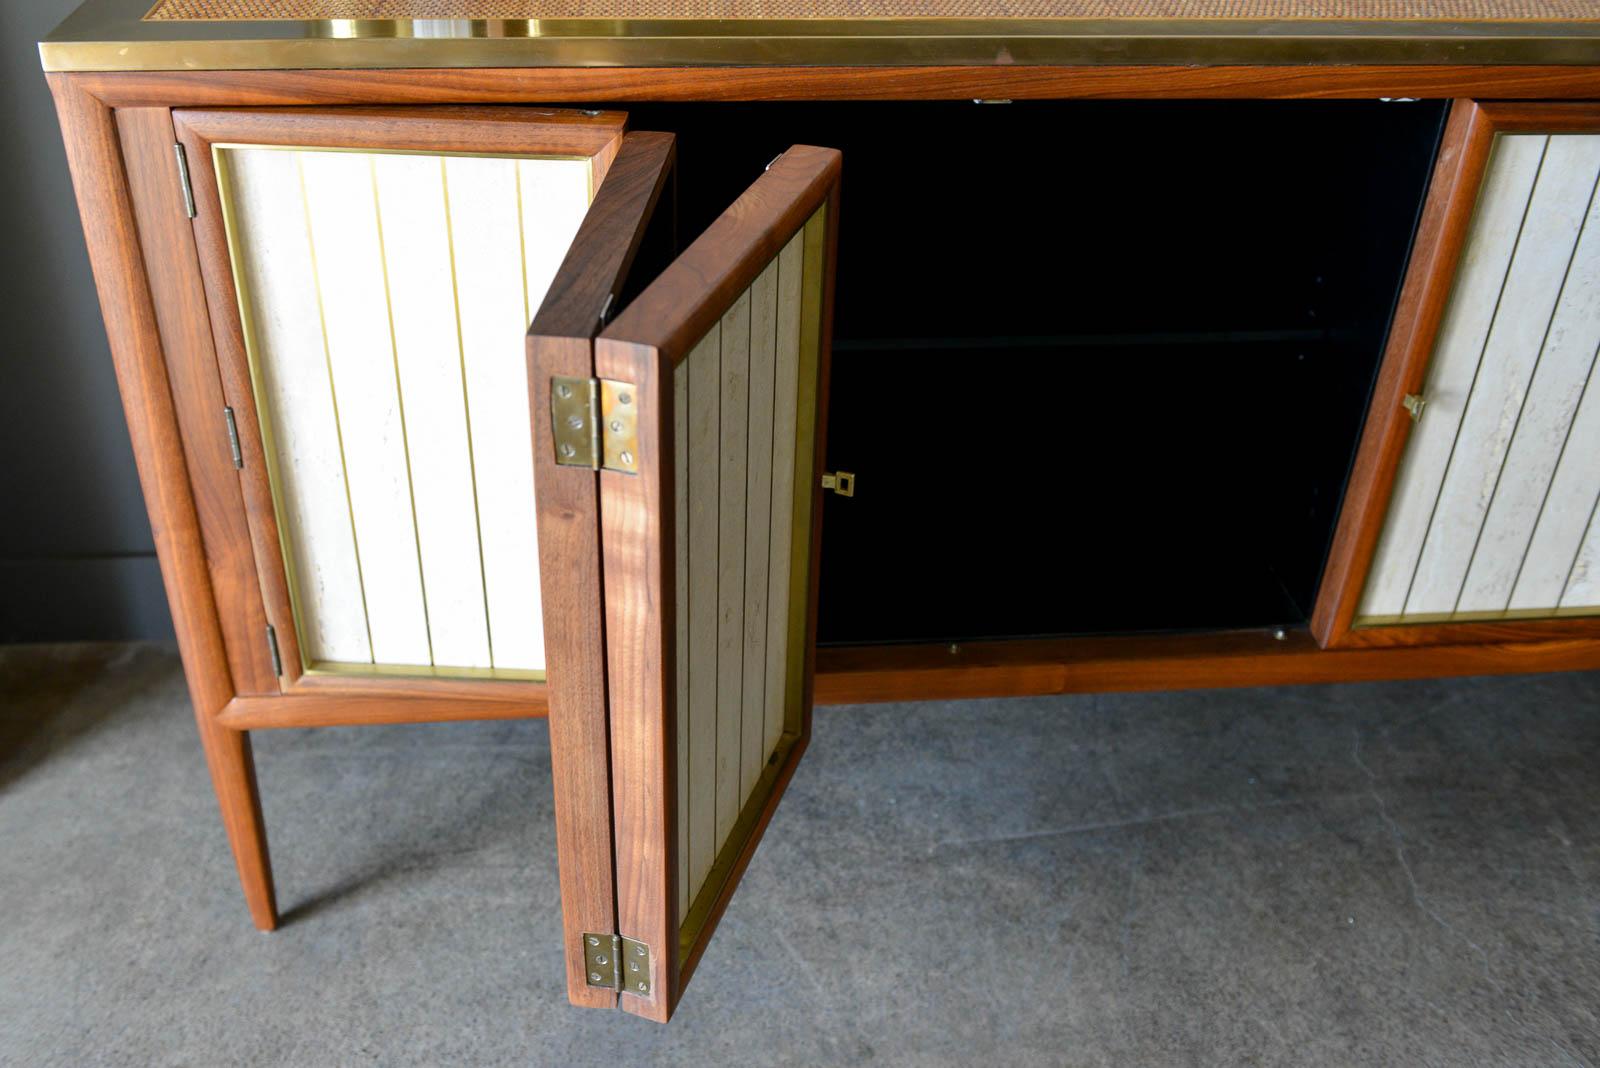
[
  {"x": 841, "y": 482},
  {"x": 606, "y": 957},
  {"x": 595, "y": 423},
  {"x": 1414, "y": 403},
  {"x": 272, "y": 647},
  {"x": 233, "y": 437},
  {"x": 183, "y": 180}
]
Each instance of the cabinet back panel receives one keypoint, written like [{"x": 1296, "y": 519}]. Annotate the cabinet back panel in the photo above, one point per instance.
[
  {"x": 1098, "y": 366},
  {"x": 385, "y": 298}
]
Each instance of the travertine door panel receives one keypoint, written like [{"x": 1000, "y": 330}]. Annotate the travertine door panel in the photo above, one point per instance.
[
  {"x": 735, "y": 407},
  {"x": 385, "y": 297},
  {"x": 1493, "y": 512}
]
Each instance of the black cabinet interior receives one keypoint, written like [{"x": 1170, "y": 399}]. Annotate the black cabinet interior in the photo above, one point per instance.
[{"x": 1098, "y": 367}]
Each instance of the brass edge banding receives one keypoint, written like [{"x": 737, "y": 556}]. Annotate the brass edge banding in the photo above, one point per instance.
[
  {"x": 332, "y": 668},
  {"x": 107, "y": 35}
]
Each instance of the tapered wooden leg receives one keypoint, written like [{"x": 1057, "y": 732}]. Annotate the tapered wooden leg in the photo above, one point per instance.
[
  {"x": 233, "y": 775},
  {"x": 94, "y": 154}
]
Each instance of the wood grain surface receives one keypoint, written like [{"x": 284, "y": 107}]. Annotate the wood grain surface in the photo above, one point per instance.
[{"x": 94, "y": 155}]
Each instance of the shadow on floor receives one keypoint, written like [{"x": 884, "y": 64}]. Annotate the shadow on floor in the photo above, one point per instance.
[{"x": 53, "y": 697}]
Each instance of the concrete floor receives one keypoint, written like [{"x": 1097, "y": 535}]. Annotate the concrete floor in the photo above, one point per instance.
[{"x": 1396, "y": 874}]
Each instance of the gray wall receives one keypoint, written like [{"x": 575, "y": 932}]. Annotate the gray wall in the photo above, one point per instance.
[{"x": 76, "y": 559}]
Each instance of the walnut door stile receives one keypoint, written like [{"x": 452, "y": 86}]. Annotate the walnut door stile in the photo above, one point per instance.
[
  {"x": 404, "y": 434},
  {"x": 1470, "y": 515},
  {"x": 168, "y": 243},
  {"x": 560, "y": 345},
  {"x": 742, "y": 316}
]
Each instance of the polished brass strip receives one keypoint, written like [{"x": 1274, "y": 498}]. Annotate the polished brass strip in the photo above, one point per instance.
[
  {"x": 110, "y": 35},
  {"x": 1510, "y": 615},
  {"x": 422, "y": 671},
  {"x": 522, "y": 240},
  {"x": 434, "y": 12},
  {"x": 426, "y": 153}
]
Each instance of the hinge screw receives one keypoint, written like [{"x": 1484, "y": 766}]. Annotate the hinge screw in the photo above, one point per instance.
[
  {"x": 626, "y": 458},
  {"x": 564, "y": 391},
  {"x": 624, "y": 398},
  {"x": 594, "y": 977},
  {"x": 575, "y": 422},
  {"x": 569, "y": 452},
  {"x": 593, "y": 941},
  {"x": 638, "y": 951},
  {"x": 644, "y": 988},
  {"x": 616, "y": 426}
]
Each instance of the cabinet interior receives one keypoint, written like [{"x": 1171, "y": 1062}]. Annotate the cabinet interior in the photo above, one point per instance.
[{"x": 1098, "y": 367}]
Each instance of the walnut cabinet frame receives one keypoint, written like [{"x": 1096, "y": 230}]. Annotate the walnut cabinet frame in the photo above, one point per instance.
[{"x": 615, "y": 688}]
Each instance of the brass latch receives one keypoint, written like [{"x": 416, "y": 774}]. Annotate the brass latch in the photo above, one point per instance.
[
  {"x": 841, "y": 482},
  {"x": 606, "y": 957},
  {"x": 595, "y": 423},
  {"x": 1414, "y": 403}
]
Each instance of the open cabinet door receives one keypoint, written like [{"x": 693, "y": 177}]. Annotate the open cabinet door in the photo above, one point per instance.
[
  {"x": 700, "y": 433},
  {"x": 567, "y": 487},
  {"x": 709, "y": 556}
]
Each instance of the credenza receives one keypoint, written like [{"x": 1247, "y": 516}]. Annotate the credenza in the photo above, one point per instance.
[{"x": 668, "y": 372}]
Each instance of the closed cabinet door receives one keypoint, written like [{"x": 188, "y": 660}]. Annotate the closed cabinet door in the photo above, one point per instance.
[
  {"x": 1471, "y": 515},
  {"x": 371, "y": 274},
  {"x": 678, "y": 457}
]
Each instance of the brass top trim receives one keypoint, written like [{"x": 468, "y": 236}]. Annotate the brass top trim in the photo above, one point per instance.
[
  {"x": 113, "y": 35},
  {"x": 468, "y": 10}
]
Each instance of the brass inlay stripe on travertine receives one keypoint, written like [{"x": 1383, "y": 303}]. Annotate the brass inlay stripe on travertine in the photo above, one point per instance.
[{"x": 1411, "y": 10}]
